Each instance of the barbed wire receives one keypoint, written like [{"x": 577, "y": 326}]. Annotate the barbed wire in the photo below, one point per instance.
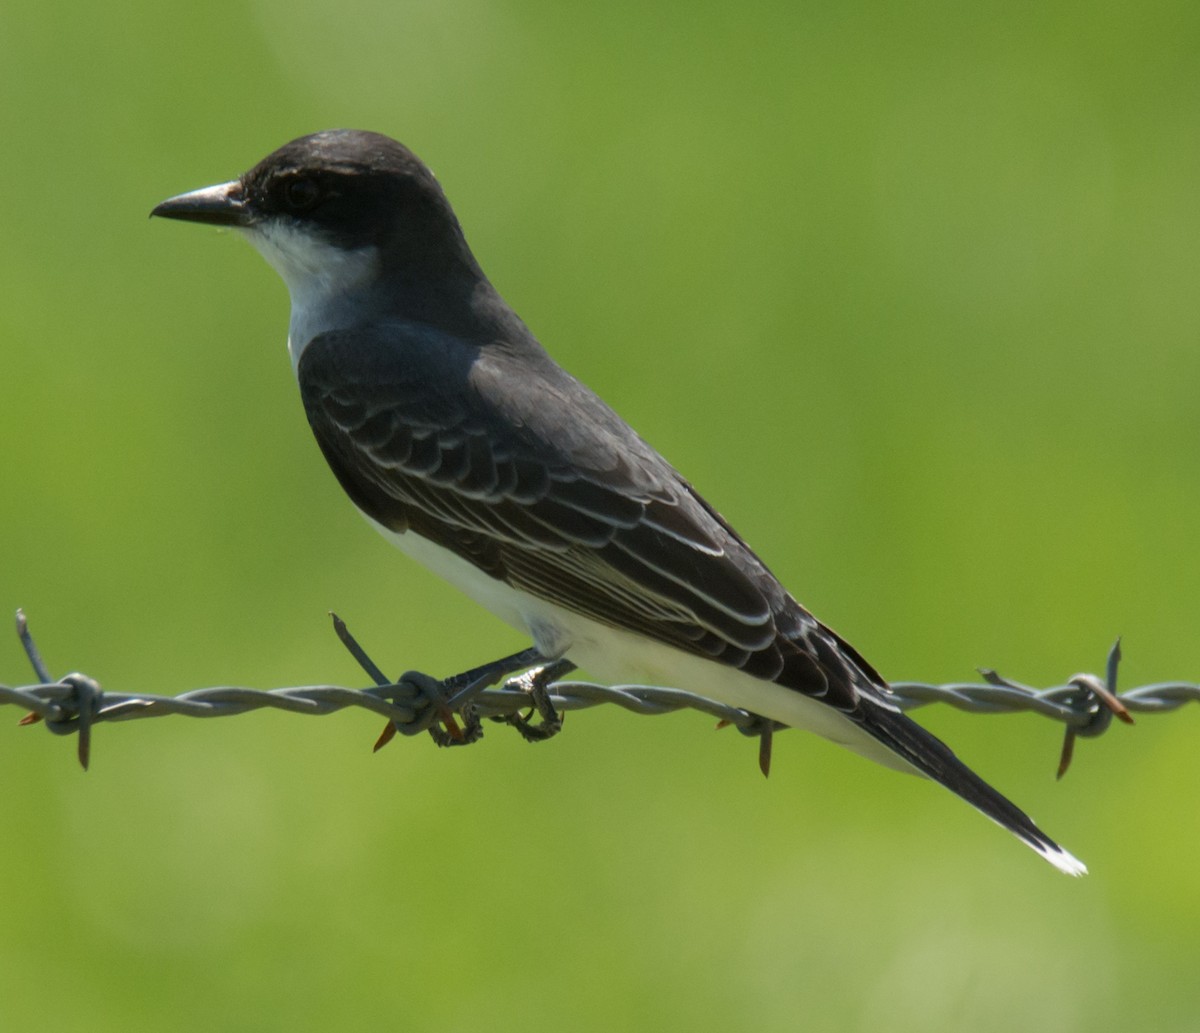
[{"x": 73, "y": 705}]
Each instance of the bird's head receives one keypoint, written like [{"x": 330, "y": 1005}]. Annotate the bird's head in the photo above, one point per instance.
[{"x": 336, "y": 211}]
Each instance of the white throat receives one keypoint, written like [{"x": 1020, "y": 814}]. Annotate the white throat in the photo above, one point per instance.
[{"x": 327, "y": 284}]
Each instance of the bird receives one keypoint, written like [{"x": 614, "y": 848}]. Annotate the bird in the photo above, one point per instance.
[{"x": 467, "y": 446}]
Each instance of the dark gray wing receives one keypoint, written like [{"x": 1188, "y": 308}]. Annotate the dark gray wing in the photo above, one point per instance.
[{"x": 506, "y": 460}]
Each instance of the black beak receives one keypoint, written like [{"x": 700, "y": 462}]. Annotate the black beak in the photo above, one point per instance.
[{"x": 222, "y": 205}]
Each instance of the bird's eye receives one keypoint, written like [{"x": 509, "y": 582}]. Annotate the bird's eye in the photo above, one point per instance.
[{"x": 300, "y": 193}]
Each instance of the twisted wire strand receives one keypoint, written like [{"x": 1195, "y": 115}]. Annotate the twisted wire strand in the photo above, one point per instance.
[
  {"x": 57, "y": 703},
  {"x": 1085, "y": 705}
]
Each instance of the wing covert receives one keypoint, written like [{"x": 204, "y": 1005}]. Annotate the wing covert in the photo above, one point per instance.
[{"x": 546, "y": 489}]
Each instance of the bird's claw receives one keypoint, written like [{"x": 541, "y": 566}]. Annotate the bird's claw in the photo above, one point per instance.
[
  {"x": 448, "y": 733},
  {"x": 444, "y": 728},
  {"x": 534, "y": 682}
]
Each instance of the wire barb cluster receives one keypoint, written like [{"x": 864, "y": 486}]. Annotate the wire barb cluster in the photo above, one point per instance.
[{"x": 75, "y": 704}]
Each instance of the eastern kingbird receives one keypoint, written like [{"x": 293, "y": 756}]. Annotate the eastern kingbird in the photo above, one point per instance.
[{"x": 466, "y": 446}]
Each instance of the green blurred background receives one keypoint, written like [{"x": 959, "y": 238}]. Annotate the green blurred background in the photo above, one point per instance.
[{"x": 908, "y": 291}]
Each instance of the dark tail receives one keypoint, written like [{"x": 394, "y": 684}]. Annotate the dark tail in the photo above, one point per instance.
[{"x": 932, "y": 757}]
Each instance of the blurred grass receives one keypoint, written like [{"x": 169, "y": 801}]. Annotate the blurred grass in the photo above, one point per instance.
[{"x": 908, "y": 292}]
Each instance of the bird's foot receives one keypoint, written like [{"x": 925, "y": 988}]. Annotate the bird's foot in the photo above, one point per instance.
[
  {"x": 444, "y": 728},
  {"x": 448, "y": 697},
  {"x": 443, "y": 699},
  {"x": 535, "y": 683}
]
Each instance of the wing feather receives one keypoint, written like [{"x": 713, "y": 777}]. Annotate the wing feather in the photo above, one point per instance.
[{"x": 550, "y": 491}]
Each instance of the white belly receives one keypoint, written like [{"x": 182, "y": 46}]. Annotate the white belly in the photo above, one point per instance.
[{"x": 622, "y": 657}]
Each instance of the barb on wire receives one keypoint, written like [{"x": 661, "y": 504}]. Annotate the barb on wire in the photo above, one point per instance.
[{"x": 75, "y": 703}]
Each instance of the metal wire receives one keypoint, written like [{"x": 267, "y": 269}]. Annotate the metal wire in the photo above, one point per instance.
[{"x": 74, "y": 704}]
